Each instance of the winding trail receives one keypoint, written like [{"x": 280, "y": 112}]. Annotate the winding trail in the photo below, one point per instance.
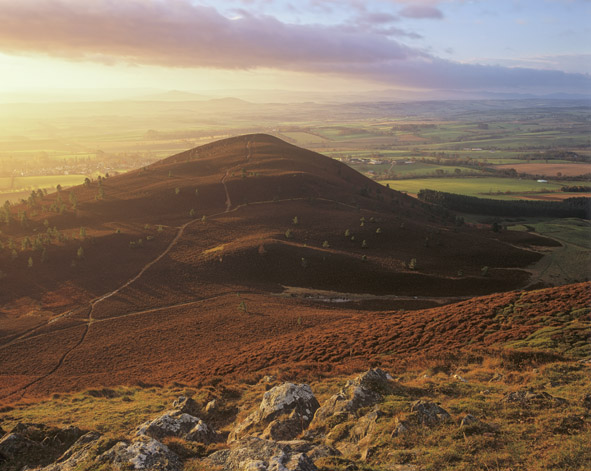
[{"x": 90, "y": 320}]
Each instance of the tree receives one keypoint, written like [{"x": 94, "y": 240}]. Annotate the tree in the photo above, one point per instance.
[
  {"x": 364, "y": 244},
  {"x": 288, "y": 234},
  {"x": 413, "y": 264},
  {"x": 30, "y": 262},
  {"x": 192, "y": 213},
  {"x": 80, "y": 253},
  {"x": 177, "y": 190},
  {"x": 83, "y": 232},
  {"x": 295, "y": 220},
  {"x": 347, "y": 233},
  {"x": 243, "y": 307},
  {"x": 325, "y": 244}
]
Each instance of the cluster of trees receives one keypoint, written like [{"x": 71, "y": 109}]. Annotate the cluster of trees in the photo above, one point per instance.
[
  {"x": 571, "y": 207},
  {"x": 576, "y": 189}
]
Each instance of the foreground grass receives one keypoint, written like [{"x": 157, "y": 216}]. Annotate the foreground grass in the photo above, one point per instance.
[{"x": 516, "y": 436}]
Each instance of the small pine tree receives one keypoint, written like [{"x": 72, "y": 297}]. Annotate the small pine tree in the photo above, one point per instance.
[
  {"x": 203, "y": 218},
  {"x": 30, "y": 262},
  {"x": 192, "y": 213},
  {"x": 325, "y": 244},
  {"x": 160, "y": 228},
  {"x": 243, "y": 307},
  {"x": 288, "y": 234},
  {"x": 484, "y": 271},
  {"x": 177, "y": 190},
  {"x": 44, "y": 256},
  {"x": 80, "y": 253},
  {"x": 412, "y": 264},
  {"x": 295, "y": 220},
  {"x": 378, "y": 230},
  {"x": 83, "y": 232},
  {"x": 347, "y": 233},
  {"x": 364, "y": 244}
]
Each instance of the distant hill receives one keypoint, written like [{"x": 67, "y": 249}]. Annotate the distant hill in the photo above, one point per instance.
[{"x": 224, "y": 245}]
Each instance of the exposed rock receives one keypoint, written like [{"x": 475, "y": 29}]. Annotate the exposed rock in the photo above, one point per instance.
[
  {"x": 570, "y": 425},
  {"x": 422, "y": 413},
  {"x": 172, "y": 423},
  {"x": 35, "y": 445},
  {"x": 366, "y": 425},
  {"x": 294, "y": 404},
  {"x": 467, "y": 420},
  {"x": 186, "y": 405},
  {"x": 17, "y": 451},
  {"x": 83, "y": 451},
  {"x": 286, "y": 429},
  {"x": 202, "y": 433},
  {"x": 212, "y": 406},
  {"x": 528, "y": 396},
  {"x": 366, "y": 390},
  {"x": 258, "y": 454},
  {"x": 428, "y": 413},
  {"x": 144, "y": 453},
  {"x": 586, "y": 400}
]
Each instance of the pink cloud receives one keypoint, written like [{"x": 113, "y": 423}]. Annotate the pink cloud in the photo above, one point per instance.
[{"x": 176, "y": 33}]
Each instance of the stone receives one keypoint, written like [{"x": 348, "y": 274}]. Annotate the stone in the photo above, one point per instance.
[
  {"x": 294, "y": 404},
  {"x": 212, "y": 407},
  {"x": 428, "y": 413},
  {"x": 143, "y": 453},
  {"x": 570, "y": 425},
  {"x": 186, "y": 405},
  {"x": 468, "y": 420},
  {"x": 16, "y": 451},
  {"x": 422, "y": 413},
  {"x": 529, "y": 396},
  {"x": 83, "y": 451},
  {"x": 202, "y": 433},
  {"x": 366, "y": 390},
  {"x": 252, "y": 453},
  {"x": 30, "y": 444},
  {"x": 171, "y": 424}
]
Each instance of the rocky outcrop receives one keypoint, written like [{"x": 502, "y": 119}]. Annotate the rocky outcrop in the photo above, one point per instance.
[
  {"x": 256, "y": 454},
  {"x": 422, "y": 413},
  {"x": 366, "y": 390},
  {"x": 285, "y": 411},
  {"x": 35, "y": 445},
  {"x": 178, "y": 423},
  {"x": 144, "y": 453},
  {"x": 186, "y": 405},
  {"x": 83, "y": 451},
  {"x": 529, "y": 396}
]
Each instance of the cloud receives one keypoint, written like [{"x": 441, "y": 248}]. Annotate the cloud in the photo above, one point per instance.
[
  {"x": 421, "y": 11},
  {"x": 177, "y": 33}
]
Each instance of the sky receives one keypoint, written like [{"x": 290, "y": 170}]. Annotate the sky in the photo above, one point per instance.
[{"x": 521, "y": 46}]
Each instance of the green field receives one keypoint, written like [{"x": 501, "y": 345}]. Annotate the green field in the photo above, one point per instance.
[
  {"x": 45, "y": 181},
  {"x": 489, "y": 187},
  {"x": 572, "y": 261}
]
